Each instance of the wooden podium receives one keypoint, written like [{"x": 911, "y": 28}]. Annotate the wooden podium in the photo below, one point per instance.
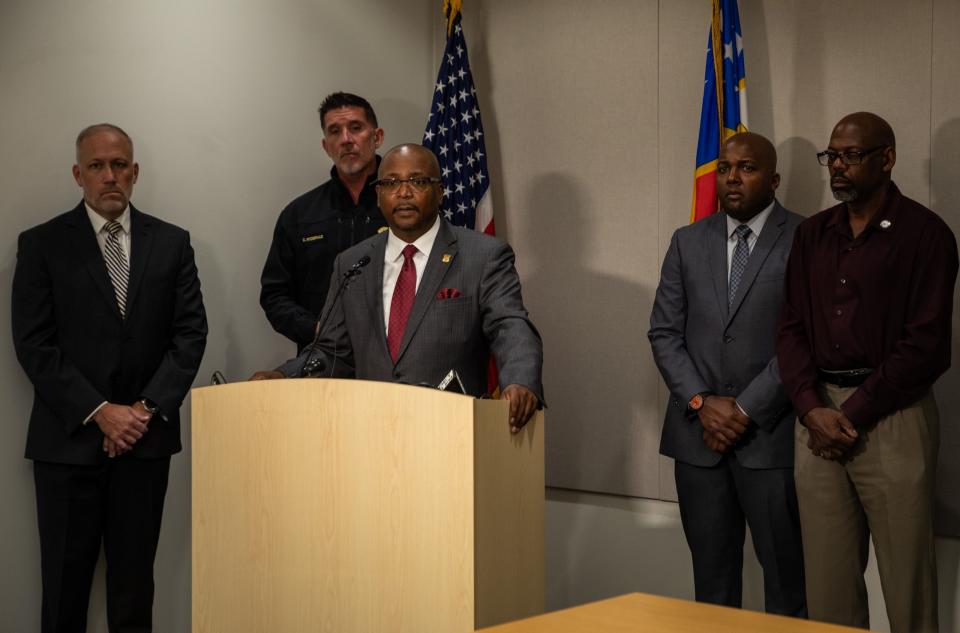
[{"x": 349, "y": 506}]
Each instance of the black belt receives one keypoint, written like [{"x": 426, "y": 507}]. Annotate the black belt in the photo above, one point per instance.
[{"x": 848, "y": 378}]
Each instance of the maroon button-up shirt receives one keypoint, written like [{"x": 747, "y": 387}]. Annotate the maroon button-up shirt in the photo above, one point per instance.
[{"x": 882, "y": 300}]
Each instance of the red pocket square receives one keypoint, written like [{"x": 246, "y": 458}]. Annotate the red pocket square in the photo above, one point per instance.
[{"x": 448, "y": 293}]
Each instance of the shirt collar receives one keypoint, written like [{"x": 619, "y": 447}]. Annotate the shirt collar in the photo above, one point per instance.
[
  {"x": 883, "y": 220},
  {"x": 98, "y": 221},
  {"x": 755, "y": 223},
  {"x": 424, "y": 243}
]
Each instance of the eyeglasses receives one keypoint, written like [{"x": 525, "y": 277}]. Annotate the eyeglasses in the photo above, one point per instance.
[
  {"x": 392, "y": 185},
  {"x": 849, "y": 157}
]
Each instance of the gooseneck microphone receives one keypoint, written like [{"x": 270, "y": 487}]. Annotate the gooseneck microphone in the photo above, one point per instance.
[
  {"x": 310, "y": 362},
  {"x": 355, "y": 269}
]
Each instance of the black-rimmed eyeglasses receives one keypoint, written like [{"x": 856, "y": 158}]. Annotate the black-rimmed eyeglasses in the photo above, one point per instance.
[
  {"x": 420, "y": 183},
  {"x": 849, "y": 157}
]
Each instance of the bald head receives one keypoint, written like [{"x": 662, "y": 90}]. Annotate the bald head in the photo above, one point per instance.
[
  {"x": 409, "y": 192},
  {"x": 97, "y": 128},
  {"x": 870, "y": 128},
  {"x": 862, "y": 147},
  {"x": 759, "y": 147},
  {"x": 411, "y": 152}
]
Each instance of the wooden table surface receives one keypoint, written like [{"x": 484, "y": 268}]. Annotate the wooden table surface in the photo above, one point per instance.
[{"x": 638, "y": 612}]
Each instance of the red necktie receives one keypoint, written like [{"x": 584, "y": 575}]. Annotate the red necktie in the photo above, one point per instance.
[{"x": 400, "y": 306}]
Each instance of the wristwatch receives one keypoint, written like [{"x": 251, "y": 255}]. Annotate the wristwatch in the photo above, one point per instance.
[
  {"x": 696, "y": 402},
  {"x": 150, "y": 406}
]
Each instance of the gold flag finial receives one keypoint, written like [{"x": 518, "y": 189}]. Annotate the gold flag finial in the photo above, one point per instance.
[{"x": 451, "y": 8}]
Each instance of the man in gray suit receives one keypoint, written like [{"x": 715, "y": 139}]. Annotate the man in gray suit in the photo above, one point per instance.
[
  {"x": 729, "y": 424},
  {"x": 434, "y": 297}
]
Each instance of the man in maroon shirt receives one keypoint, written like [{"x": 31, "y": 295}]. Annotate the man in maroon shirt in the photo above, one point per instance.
[{"x": 864, "y": 334}]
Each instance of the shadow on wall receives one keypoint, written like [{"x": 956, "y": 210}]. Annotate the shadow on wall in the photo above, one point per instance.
[
  {"x": 804, "y": 188},
  {"x": 945, "y": 200},
  {"x": 757, "y": 62},
  {"x": 803, "y": 179},
  {"x": 592, "y": 325},
  {"x": 19, "y": 547}
]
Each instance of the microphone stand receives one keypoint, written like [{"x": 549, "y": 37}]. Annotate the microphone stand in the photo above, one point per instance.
[{"x": 309, "y": 362}]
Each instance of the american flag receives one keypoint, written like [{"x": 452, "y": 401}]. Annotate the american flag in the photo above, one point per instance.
[{"x": 455, "y": 134}]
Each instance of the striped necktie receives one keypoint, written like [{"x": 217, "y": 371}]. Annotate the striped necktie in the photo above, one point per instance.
[{"x": 117, "y": 265}]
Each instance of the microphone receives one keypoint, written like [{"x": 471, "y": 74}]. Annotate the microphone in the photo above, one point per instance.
[
  {"x": 355, "y": 269},
  {"x": 310, "y": 362}
]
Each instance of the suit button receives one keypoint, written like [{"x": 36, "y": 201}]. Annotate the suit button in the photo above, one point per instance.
[
  {"x": 728, "y": 339},
  {"x": 397, "y": 374},
  {"x": 728, "y": 387}
]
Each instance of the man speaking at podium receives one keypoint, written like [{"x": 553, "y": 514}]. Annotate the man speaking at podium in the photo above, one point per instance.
[{"x": 426, "y": 298}]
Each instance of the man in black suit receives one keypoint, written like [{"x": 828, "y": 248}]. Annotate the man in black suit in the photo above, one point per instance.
[{"x": 109, "y": 325}]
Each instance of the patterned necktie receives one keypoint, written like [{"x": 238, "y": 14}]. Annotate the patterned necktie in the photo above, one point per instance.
[
  {"x": 403, "y": 295},
  {"x": 117, "y": 264},
  {"x": 741, "y": 253}
]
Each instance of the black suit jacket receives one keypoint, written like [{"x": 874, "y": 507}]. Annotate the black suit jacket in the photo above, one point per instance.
[{"x": 78, "y": 351}]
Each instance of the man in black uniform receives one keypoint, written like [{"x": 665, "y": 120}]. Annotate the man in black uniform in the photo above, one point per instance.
[{"x": 316, "y": 226}]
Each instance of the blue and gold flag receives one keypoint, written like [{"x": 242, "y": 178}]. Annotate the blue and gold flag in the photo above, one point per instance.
[{"x": 724, "y": 109}]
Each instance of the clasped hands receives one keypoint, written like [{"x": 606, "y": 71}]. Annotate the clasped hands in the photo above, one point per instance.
[
  {"x": 832, "y": 434},
  {"x": 122, "y": 426},
  {"x": 723, "y": 422}
]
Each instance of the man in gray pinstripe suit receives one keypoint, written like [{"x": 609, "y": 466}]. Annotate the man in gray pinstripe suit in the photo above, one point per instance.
[
  {"x": 729, "y": 424},
  {"x": 434, "y": 297}
]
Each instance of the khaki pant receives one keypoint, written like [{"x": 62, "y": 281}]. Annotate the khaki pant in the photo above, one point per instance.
[{"x": 883, "y": 488}]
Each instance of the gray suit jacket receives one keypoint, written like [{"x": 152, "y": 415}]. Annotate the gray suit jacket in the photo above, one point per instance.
[
  {"x": 442, "y": 334},
  {"x": 699, "y": 345}
]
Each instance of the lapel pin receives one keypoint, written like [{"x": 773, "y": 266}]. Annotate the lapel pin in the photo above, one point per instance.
[
  {"x": 885, "y": 224},
  {"x": 381, "y": 229},
  {"x": 445, "y": 258}
]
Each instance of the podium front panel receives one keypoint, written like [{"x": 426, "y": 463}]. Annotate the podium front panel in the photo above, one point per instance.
[{"x": 332, "y": 505}]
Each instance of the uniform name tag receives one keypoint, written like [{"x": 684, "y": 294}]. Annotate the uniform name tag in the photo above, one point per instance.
[{"x": 313, "y": 238}]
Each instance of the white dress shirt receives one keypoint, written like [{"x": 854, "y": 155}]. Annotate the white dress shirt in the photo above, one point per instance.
[
  {"x": 393, "y": 262},
  {"x": 99, "y": 224},
  {"x": 756, "y": 225}
]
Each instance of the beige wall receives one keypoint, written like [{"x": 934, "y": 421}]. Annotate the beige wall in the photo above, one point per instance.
[
  {"x": 595, "y": 108},
  {"x": 591, "y": 112},
  {"x": 221, "y": 100}
]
